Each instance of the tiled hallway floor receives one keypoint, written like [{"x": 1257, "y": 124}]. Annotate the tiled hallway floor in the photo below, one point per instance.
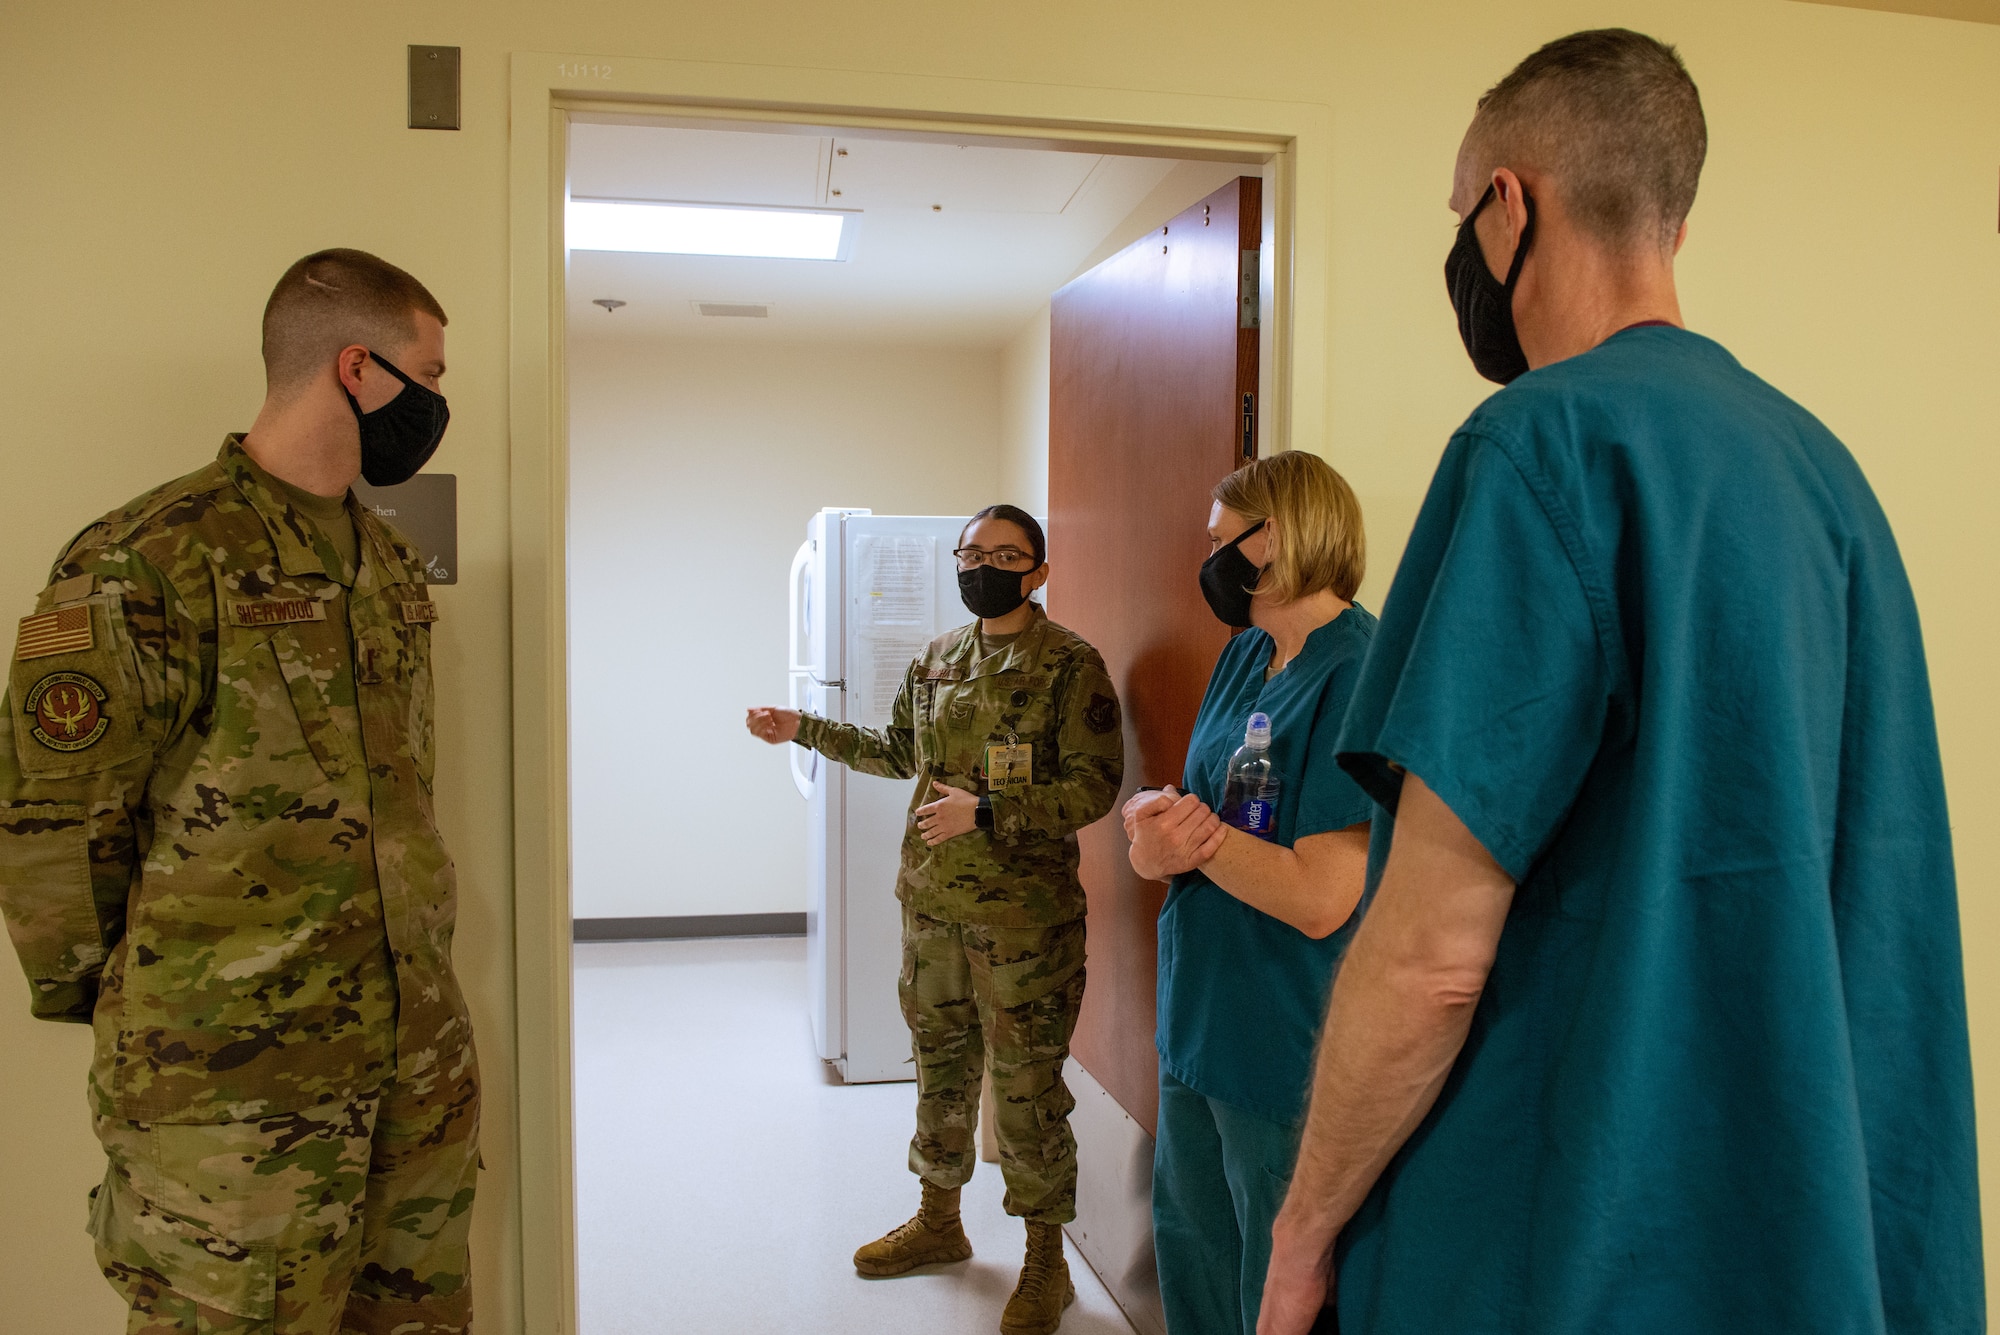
[{"x": 724, "y": 1178}]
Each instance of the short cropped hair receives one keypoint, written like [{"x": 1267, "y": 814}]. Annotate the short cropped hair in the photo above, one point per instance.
[
  {"x": 332, "y": 299},
  {"x": 1615, "y": 118},
  {"x": 1020, "y": 519},
  {"x": 1319, "y": 542}
]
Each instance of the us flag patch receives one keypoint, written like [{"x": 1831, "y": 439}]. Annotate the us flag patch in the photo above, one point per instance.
[{"x": 64, "y": 630}]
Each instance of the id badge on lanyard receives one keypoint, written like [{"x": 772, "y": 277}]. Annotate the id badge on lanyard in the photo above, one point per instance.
[{"x": 1009, "y": 764}]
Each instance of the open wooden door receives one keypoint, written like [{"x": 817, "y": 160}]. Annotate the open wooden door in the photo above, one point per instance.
[{"x": 1152, "y": 400}]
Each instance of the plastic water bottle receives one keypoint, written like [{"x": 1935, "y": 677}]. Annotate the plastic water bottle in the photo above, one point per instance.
[{"x": 1250, "y": 794}]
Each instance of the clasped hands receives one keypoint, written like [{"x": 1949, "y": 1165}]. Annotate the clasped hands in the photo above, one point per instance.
[
  {"x": 955, "y": 812},
  {"x": 1171, "y": 832}
]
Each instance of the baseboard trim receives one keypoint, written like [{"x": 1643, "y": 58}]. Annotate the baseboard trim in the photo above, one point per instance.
[
  {"x": 688, "y": 927},
  {"x": 1114, "y": 1201}
]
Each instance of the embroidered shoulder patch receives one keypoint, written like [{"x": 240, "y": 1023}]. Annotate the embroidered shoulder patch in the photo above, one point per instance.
[
  {"x": 62, "y": 630},
  {"x": 419, "y": 614},
  {"x": 276, "y": 611},
  {"x": 1101, "y": 714},
  {"x": 67, "y": 709}
]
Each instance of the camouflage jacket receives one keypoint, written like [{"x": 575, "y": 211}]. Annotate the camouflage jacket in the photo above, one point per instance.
[
  {"x": 1047, "y": 689},
  {"x": 216, "y": 833}
]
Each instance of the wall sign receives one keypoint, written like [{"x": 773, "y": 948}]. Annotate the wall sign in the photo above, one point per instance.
[{"x": 425, "y": 511}]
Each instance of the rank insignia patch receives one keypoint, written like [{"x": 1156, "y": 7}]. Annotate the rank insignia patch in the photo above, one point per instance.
[
  {"x": 68, "y": 711},
  {"x": 65, "y": 630},
  {"x": 1101, "y": 714}
]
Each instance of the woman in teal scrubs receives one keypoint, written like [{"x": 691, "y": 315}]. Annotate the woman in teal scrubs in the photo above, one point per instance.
[{"x": 1254, "y": 925}]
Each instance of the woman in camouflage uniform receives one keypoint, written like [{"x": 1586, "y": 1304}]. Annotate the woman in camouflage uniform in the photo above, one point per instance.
[{"x": 1011, "y": 727}]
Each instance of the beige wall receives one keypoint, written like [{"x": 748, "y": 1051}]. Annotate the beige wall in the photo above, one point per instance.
[
  {"x": 163, "y": 163},
  {"x": 693, "y": 469}
]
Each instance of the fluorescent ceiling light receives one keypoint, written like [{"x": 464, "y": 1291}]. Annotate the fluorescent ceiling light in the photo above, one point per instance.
[{"x": 705, "y": 229}]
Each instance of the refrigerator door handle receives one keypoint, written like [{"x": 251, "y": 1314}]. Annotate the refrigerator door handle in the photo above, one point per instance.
[
  {"x": 804, "y": 762},
  {"x": 801, "y": 600}
]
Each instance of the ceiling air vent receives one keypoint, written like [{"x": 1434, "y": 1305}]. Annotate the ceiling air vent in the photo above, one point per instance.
[{"x": 739, "y": 310}]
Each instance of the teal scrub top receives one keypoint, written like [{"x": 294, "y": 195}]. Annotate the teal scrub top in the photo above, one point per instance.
[
  {"x": 1651, "y": 640},
  {"x": 1241, "y": 994}
]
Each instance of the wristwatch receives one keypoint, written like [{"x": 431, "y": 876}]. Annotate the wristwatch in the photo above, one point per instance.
[{"x": 982, "y": 818}]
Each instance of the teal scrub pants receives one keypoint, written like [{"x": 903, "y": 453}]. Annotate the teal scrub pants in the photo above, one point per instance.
[{"x": 1219, "y": 1176}]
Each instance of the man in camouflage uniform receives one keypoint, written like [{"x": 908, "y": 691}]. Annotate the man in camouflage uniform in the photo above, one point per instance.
[
  {"x": 217, "y": 847},
  {"x": 993, "y": 918}
]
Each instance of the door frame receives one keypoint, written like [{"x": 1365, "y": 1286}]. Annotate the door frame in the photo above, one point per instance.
[{"x": 547, "y": 90}]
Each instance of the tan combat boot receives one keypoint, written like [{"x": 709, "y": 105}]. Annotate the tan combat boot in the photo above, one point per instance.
[
  {"x": 1044, "y": 1291},
  {"x": 932, "y": 1238}
]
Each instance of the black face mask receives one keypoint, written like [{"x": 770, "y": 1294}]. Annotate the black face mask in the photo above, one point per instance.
[
  {"x": 1227, "y": 579},
  {"x": 399, "y": 437},
  {"x": 989, "y": 591},
  {"x": 1485, "y": 305}
]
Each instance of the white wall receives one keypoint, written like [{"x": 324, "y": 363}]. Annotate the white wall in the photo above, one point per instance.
[
  {"x": 1187, "y": 184},
  {"x": 694, "y": 466},
  {"x": 1024, "y": 416}
]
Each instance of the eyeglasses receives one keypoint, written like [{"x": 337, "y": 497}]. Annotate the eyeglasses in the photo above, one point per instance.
[{"x": 1005, "y": 558}]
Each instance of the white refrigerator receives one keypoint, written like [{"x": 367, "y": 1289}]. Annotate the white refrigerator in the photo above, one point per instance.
[{"x": 868, "y": 593}]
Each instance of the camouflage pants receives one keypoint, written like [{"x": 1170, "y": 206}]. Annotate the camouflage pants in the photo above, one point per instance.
[
  {"x": 1008, "y": 995},
  {"x": 350, "y": 1216}
]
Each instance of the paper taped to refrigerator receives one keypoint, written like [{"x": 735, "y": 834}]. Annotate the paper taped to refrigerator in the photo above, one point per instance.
[{"x": 895, "y": 601}]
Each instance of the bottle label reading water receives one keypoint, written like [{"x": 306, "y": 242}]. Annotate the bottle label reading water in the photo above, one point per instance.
[{"x": 1257, "y": 816}]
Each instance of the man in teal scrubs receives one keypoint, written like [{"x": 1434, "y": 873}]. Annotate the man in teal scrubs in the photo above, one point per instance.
[{"x": 1656, "y": 1022}]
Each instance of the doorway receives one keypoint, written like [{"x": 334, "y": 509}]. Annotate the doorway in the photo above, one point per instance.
[
  {"x": 549, "y": 91},
  {"x": 897, "y": 364}
]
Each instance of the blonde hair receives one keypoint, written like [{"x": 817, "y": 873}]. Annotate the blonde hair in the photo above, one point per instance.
[{"x": 1318, "y": 542}]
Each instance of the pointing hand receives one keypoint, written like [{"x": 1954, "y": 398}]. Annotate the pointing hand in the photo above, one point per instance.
[{"x": 775, "y": 726}]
